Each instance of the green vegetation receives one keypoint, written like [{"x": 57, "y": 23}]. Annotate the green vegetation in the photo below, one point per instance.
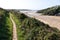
[
  {"x": 50, "y": 11},
  {"x": 28, "y": 28},
  {"x": 5, "y": 25},
  {"x": 32, "y": 29}
]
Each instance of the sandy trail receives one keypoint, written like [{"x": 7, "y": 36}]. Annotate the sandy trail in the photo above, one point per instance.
[{"x": 14, "y": 29}]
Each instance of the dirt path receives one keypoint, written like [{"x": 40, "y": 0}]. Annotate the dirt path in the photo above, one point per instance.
[{"x": 14, "y": 29}]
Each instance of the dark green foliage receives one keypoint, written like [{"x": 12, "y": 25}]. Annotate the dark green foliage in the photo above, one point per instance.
[
  {"x": 32, "y": 29},
  {"x": 5, "y": 33},
  {"x": 50, "y": 11},
  {"x": 52, "y": 36}
]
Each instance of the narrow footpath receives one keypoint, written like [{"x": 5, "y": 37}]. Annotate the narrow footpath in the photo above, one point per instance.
[{"x": 14, "y": 29}]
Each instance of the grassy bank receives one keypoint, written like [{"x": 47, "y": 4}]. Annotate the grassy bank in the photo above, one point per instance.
[
  {"x": 5, "y": 25},
  {"x": 32, "y": 29}
]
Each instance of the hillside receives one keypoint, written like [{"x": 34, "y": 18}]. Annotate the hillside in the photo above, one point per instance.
[
  {"x": 55, "y": 10},
  {"x": 32, "y": 29},
  {"x": 5, "y": 25},
  {"x": 27, "y": 28}
]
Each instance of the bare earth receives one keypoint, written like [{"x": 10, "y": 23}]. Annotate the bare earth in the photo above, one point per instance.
[
  {"x": 14, "y": 29},
  {"x": 53, "y": 21}
]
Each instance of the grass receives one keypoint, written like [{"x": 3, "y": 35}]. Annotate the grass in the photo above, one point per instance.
[{"x": 10, "y": 25}]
